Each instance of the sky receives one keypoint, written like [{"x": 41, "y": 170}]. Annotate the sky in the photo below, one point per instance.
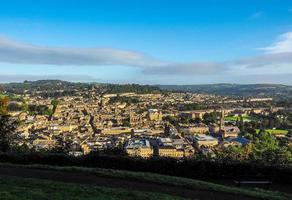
[{"x": 147, "y": 41}]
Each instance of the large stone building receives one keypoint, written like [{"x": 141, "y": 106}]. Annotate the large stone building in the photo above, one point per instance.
[
  {"x": 205, "y": 141},
  {"x": 194, "y": 129},
  {"x": 175, "y": 148},
  {"x": 154, "y": 115},
  {"x": 170, "y": 151},
  {"x": 139, "y": 147}
]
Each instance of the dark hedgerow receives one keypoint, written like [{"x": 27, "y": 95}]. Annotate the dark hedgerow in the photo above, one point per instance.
[{"x": 190, "y": 168}]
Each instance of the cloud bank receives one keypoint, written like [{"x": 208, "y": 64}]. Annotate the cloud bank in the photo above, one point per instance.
[
  {"x": 20, "y": 53},
  {"x": 277, "y": 54},
  {"x": 15, "y": 52}
]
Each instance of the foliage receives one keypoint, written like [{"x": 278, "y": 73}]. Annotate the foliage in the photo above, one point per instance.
[
  {"x": 264, "y": 141},
  {"x": 246, "y": 90},
  {"x": 198, "y": 168},
  {"x": 55, "y": 102},
  {"x": 4, "y": 101},
  {"x": 58, "y": 88},
  {"x": 39, "y": 110},
  {"x": 212, "y": 117},
  {"x": 265, "y": 148},
  {"x": 15, "y": 106},
  {"x": 172, "y": 120},
  {"x": 7, "y": 132},
  {"x": 190, "y": 106},
  {"x": 140, "y": 89},
  {"x": 7, "y": 125},
  {"x": 233, "y": 153}
]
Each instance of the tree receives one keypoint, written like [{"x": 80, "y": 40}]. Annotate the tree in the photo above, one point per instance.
[
  {"x": 7, "y": 125},
  {"x": 172, "y": 120},
  {"x": 126, "y": 122},
  {"x": 264, "y": 142},
  {"x": 211, "y": 117},
  {"x": 55, "y": 102},
  {"x": 197, "y": 120},
  {"x": 289, "y": 134},
  {"x": 7, "y": 132},
  {"x": 241, "y": 124},
  {"x": 185, "y": 119},
  {"x": 4, "y": 101},
  {"x": 233, "y": 153},
  {"x": 281, "y": 156}
]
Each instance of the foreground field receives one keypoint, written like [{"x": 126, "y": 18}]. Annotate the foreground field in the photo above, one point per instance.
[
  {"x": 12, "y": 188},
  {"x": 103, "y": 183}
]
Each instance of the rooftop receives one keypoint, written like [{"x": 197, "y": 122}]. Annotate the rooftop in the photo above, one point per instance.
[
  {"x": 202, "y": 137},
  {"x": 138, "y": 143}
]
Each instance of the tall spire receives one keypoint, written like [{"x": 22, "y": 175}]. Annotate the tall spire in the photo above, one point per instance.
[{"x": 222, "y": 120}]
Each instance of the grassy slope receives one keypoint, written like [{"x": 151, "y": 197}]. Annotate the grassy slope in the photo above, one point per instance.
[
  {"x": 12, "y": 188},
  {"x": 169, "y": 180}
]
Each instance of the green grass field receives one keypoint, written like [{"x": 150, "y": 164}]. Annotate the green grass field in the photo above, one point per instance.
[
  {"x": 12, "y": 188},
  {"x": 275, "y": 131},
  {"x": 167, "y": 180},
  {"x": 245, "y": 118}
]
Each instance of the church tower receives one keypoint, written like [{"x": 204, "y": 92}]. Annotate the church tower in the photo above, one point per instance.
[{"x": 222, "y": 120}]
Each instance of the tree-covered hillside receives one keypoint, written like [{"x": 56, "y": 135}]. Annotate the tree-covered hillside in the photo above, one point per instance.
[
  {"x": 56, "y": 88},
  {"x": 235, "y": 89}
]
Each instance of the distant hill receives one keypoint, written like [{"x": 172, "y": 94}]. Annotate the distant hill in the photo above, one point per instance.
[
  {"x": 55, "y": 88},
  {"x": 234, "y": 89}
]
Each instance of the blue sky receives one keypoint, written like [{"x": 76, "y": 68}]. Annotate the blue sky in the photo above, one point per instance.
[{"x": 148, "y": 42}]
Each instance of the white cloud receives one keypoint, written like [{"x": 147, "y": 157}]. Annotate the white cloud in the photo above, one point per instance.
[
  {"x": 276, "y": 55},
  {"x": 20, "y": 53},
  {"x": 15, "y": 52},
  {"x": 282, "y": 45}
]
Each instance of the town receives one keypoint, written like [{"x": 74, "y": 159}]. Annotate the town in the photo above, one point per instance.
[{"x": 164, "y": 124}]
